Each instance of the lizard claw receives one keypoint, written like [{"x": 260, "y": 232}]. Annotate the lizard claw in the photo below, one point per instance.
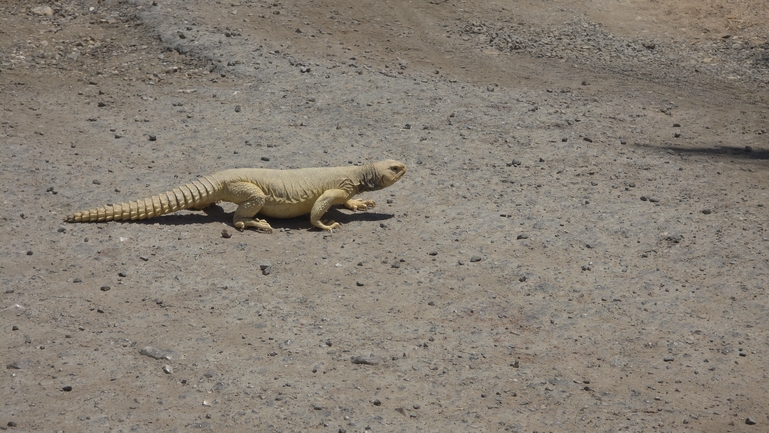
[
  {"x": 355, "y": 204},
  {"x": 258, "y": 224},
  {"x": 328, "y": 227}
]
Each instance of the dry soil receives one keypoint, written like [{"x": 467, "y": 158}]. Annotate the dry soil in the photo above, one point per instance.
[{"x": 580, "y": 243}]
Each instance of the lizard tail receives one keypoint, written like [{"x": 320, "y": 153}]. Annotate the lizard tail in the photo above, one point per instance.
[{"x": 197, "y": 193}]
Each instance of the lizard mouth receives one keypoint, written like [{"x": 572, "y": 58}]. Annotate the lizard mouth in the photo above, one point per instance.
[
  {"x": 393, "y": 174},
  {"x": 399, "y": 174}
]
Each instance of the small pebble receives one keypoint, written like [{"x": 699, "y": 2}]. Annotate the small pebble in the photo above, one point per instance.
[
  {"x": 475, "y": 259},
  {"x": 29, "y": 253},
  {"x": 522, "y": 236},
  {"x": 707, "y": 211},
  {"x": 750, "y": 421},
  {"x": 668, "y": 359},
  {"x": 226, "y": 234},
  {"x": 265, "y": 268},
  {"x": 366, "y": 360},
  {"x": 376, "y": 402},
  {"x": 153, "y": 137},
  {"x": 154, "y": 352},
  {"x": 66, "y": 388},
  {"x": 105, "y": 288},
  {"x": 654, "y": 199},
  {"x": 167, "y": 369}
]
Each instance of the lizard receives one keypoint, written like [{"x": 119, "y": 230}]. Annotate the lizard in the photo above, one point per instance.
[{"x": 267, "y": 192}]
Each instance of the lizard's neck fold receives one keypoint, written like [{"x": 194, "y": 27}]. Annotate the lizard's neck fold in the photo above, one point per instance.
[{"x": 368, "y": 179}]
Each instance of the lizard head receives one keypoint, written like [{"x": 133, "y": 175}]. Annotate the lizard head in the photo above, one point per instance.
[{"x": 388, "y": 172}]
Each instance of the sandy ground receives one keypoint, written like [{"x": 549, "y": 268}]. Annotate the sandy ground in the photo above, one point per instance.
[{"x": 579, "y": 244}]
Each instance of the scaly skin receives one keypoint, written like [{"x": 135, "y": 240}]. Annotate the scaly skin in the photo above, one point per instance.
[{"x": 272, "y": 193}]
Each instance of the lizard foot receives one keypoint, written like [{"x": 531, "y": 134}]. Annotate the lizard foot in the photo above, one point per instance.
[
  {"x": 355, "y": 204},
  {"x": 328, "y": 227},
  {"x": 258, "y": 224}
]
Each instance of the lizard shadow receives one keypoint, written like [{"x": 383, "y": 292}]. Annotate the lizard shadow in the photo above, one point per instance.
[{"x": 218, "y": 213}]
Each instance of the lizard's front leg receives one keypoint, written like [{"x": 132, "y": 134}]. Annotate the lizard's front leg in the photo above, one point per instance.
[
  {"x": 250, "y": 199},
  {"x": 323, "y": 203}
]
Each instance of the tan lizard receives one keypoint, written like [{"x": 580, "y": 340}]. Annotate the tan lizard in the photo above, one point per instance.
[{"x": 271, "y": 193}]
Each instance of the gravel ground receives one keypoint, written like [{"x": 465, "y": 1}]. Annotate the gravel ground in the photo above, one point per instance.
[
  {"x": 656, "y": 59},
  {"x": 579, "y": 243}
]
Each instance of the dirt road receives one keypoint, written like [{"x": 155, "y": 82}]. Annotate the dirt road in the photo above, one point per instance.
[{"x": 579, "y": 244}]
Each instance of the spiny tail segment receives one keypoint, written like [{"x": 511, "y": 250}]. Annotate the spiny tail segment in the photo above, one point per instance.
[{"x": 197, "y": 193}]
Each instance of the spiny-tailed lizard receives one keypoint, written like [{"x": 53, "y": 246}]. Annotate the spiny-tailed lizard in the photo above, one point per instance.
[{"x": 267, "y": 192}]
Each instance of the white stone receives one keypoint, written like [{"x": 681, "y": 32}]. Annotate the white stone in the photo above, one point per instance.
[{"x": 43, "y": 11}]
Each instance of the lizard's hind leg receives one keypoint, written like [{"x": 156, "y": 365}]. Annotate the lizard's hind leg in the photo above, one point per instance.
[{"x": 250, "y": 199}]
